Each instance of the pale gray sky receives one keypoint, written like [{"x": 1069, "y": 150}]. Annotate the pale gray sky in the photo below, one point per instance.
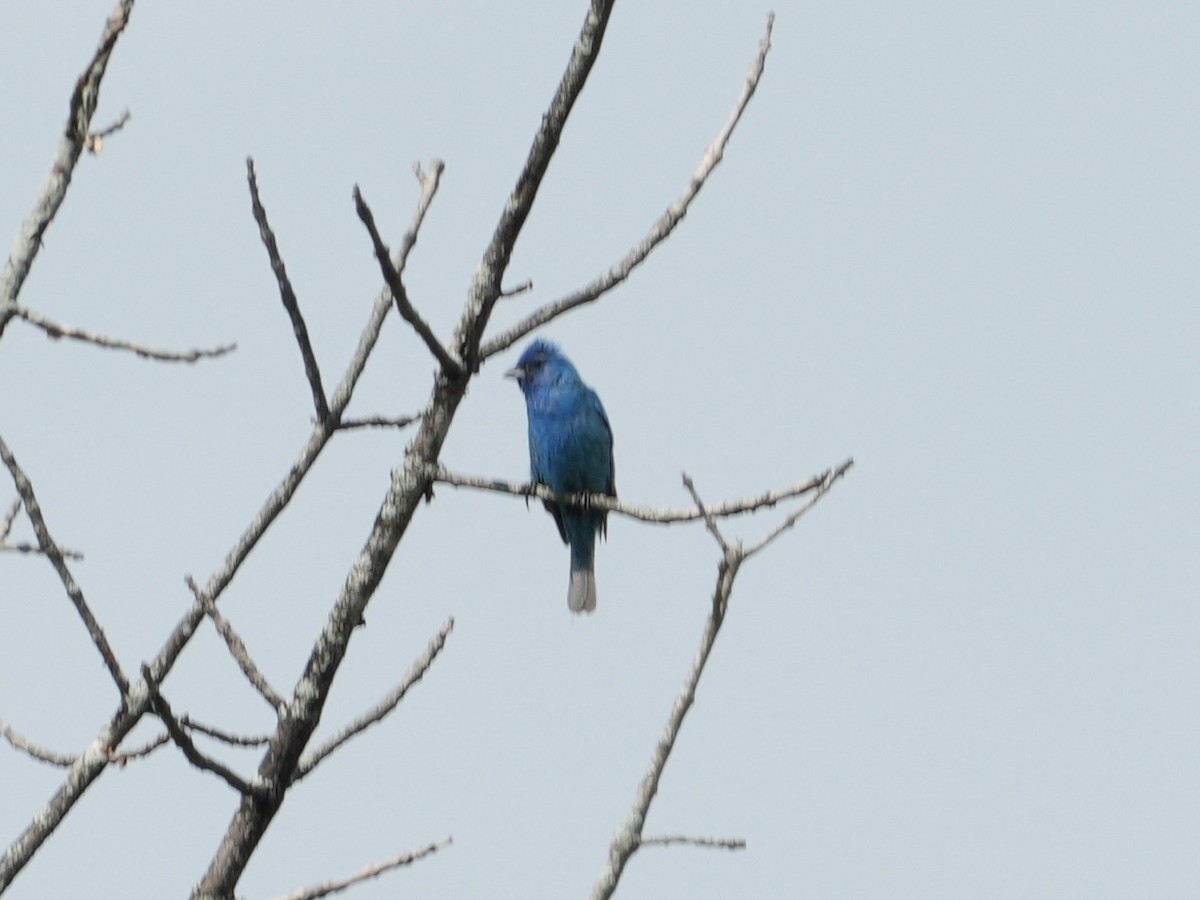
[{"x": 956, "y": 241}]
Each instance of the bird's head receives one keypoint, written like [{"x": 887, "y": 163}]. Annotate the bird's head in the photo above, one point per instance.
[{"x": 540, "y": 365}]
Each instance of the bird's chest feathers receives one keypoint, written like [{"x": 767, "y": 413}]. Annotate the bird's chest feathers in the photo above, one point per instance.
[{"x": 565, "y": 450}]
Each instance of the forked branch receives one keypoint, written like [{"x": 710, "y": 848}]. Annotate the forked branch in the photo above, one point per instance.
[
  {"x": 658, "y": 233},
  {"x": 391, "y": 277},
  {"x": 628, "y": 838},
  {"x": 183, "y": 740},
  {"x": 57, "y": 560},
  {"x": 385, "y": 706}
]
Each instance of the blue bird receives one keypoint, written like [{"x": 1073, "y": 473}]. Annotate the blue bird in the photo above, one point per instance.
[{"x": 570, "y": 451}]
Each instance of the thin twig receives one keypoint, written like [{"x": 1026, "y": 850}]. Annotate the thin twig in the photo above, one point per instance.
[
  {"x": 26, "y": 547},
  {"x": 485, "y": 287},
  {"x": 66, "y": 761},
  {"x": 55, "y": 555},
  {"x": 162, "y": 709},
  {"x": 54, "y": 190},
  {"x": 392, "y": 279},
  {"x": 372, "y": 871},
  {"x": 55, "y": 331},
  {"x": 669, "y": 840},
  {"x": 791, "y": 520},
  {"x": 287, "y": 295},
  {"x": 125, "y": 757},
  {"x": 526, "y": 285},
  {"x": 6, "y": 523},
  {"x": 237, "y": 648},
  {"x": 429, "y": 181},
  {"x": 651, "y": 514},
  {"x": 18, "y": 741},
  {"x": 709, "y": 521},
  {"x": 95, "y": 139},
  {"x": 377, "y": 422},
  {"x": 225, "y": 737},
  {"x": 377, "y": 713},
  {"x": 659, "y": 232}
]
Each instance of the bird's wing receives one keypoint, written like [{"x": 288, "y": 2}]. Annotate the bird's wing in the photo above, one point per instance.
[
  {"x": 537, "y": 473},
  {"x": 597, "y": 427},
  {"x": 595, "y": 411}
]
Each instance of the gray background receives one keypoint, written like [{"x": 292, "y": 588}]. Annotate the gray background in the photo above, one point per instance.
[{"x": 957, "y": 241}]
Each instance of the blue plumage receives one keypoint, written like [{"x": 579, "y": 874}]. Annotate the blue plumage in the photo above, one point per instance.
[{"x": 570, "y": 451}]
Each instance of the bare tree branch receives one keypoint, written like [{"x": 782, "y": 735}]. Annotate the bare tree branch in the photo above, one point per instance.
[
  {"x": 378, "y": 712},
  {"x": 55, "y": 331},
  {"x": 485, "y": 287},
  {"x": 628, "y": 838},
  {"x": 284, "y": 760},
  {"x": 709, "y": 521},
  {"x": 526, "y": 285},
  {"x": 626, "y": 841},
  {"x": 410, "y": 484},
  {"x": 95, "y": 139},
  {"x": 162, "y": 709},
  {"x": 26, "y": 547},
  {"x": 6, "y": 523},
  {"x": 93, "y": 761},
  {"x": 429, "y": 182},
  {"x": 377, "y": 422},
  {"x": 127, "y": 756},
  {"x": 395, "y": 284},
  {"x": 225, "y": 737},
  {"x": 287, "y": 295},
  {"x": 79, "y": 118},
  {"x": 372, "y": 871},
  {"x": 18, "y": 741},
  {"x": 65, "y": 761},
  {"x": 673, "y": 839},
  {"x": 237, "y": 648},
  {"x": 55, "y": 555},
  {"x": 660, "y": 231},
  {"x": 650, "y": 514},
  {"x": 791, "y": 520}
]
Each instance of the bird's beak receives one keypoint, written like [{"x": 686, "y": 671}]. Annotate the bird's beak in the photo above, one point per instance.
[{"x": 514, "y": 373}]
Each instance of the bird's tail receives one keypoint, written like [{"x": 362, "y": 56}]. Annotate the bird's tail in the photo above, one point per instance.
[{"x": 581, "y": 594}]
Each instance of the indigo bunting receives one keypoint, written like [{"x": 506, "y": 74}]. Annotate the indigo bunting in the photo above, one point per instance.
[{"x": 570, "y": 451}]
